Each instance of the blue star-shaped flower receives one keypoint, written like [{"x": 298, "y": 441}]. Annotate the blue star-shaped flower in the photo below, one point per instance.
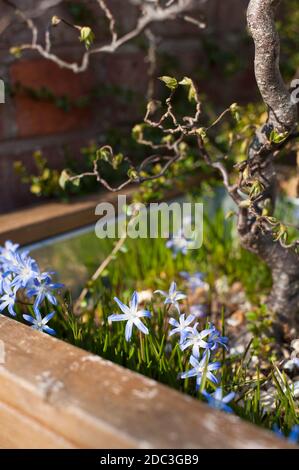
[
  {"x": 196, "y": 340},
  {"x": 26, "y": 271},
  {"x": 218, "y": 401},
  {"x": 172, "y": 297},
  {"x": 215, "y": 339},
  {"x": 8, "y": 249},
  {"x": 194, "y": 281},
  {"x": 8, "y": 299},
  {"x": 181, "y": 327},
  {"x": 131, "y": 315},
  {"x": 42, "y": 289},
  {"x": 39, "y": 323},
  {"x": 201, "y": 368},
  {"x": 178, "y": 244}
]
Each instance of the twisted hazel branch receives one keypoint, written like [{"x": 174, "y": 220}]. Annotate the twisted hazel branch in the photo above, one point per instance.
[
  {"x": 260, "y": 17},
  {"x": 282, "y": 118},
  {"x": 150, "y": 13},
  {"x": 282, "y": 260}
]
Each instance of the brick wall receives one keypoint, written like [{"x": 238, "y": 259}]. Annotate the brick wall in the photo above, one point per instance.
[{"x": 28, "y": 124}]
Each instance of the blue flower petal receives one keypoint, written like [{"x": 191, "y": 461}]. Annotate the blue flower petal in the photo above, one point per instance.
[
  {"x": 134, "y": 301},
  {"x": 128, "y": 332},
  {"x": 124, "y": 308},
  {"x": 141, "y": 326},
  {"x": 29, "y": 318},
  {"x": 48, "y": 317},
  {"x": 49, "y": 330},
  {"x": 118, "y": 317}
]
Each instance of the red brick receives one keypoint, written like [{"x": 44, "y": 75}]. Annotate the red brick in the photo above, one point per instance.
[{"x": 41, "y": 117}]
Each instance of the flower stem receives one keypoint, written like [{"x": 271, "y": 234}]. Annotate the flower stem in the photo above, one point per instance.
[{"x": 141, "y": 346}]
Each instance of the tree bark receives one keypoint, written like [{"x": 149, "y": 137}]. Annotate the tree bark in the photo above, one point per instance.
[{"x": 282, "y": 118}]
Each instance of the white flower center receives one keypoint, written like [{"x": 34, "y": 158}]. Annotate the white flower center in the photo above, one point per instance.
[{"x": 26, "y": 272}]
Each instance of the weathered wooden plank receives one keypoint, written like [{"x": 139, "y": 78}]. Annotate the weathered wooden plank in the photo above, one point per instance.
[
  {"x": 53, "y": 218},
  {"x": 22, "y": 432},
  {"x": 81, "y": 400},
  {"x": 49, "y": 219}
]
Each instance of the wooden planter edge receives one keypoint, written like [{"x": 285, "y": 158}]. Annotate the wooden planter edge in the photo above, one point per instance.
[
  {"x": 54, "y": 395},
  {"x": 36, "y": 223},
  {"x": 49, "y": 219}
]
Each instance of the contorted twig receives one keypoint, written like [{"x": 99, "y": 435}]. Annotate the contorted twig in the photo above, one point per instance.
[{"x": 150, "y": 13}]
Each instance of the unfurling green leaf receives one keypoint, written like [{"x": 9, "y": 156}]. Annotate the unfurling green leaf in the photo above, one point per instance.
[
  {"x": 104, "y": 154},
  {"x": 267, "y": 207},
  {"x": 277, "y": 138},
  {"x": 170, "y": 82},
  {"x": 87, "y": 36},
  {"x": 202, "y": 132},
  {"x": 256, "y": 189},
  {"x": 76, "y": 182},
  {"x": 137, "y": 132},
  {"x": 64, "y": 178},
  {"x": 167, "y": 139},
  {"x": 117, "y": 160},
  {"x": 235, "y": 110},
  {"x": 183, "y": 148},
  {"x": 132, "y": 174},
  {"x": 191, "y": 88},
  {"x": 55, "y": 20},
  {"x": 16, "y": 51},
  {"x": 281, "y": 233},
  {"x": 272, "y": 220}
]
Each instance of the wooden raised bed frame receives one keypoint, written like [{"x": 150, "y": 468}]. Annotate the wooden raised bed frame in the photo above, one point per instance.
[{"x": 53, "y": 395}]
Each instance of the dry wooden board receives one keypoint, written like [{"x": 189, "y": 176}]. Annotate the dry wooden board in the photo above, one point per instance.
[
  {"x": 50, "y": 219},
  {"x": 54, "y": 218},
  {"x": 55, "y": 395}
]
